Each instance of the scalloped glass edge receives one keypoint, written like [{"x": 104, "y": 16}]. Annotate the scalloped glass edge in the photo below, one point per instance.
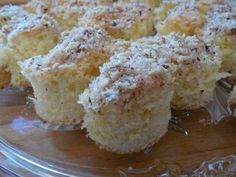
[
  {"x": 225, "y": 166},
  {"x": 219, "y": 108}
]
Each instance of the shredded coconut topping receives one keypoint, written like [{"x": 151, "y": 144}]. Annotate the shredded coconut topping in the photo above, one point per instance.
[
  {"x": 222, "y": 20},
  {"x": 79, "y": 44},
  {"x": 180, "y": 49},
  {"x": 10, "y": 12},
  {"x": 119, "y": 15},
  {"x": 65, "y": 8},
  {"x": 126, "y": 75},
  {"x": 27, "y": 24}
]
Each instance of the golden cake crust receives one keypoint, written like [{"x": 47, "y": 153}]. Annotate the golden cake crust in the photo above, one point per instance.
[
  {"x": 184, "y": 18},
  {"x": 121, "y": 20}
]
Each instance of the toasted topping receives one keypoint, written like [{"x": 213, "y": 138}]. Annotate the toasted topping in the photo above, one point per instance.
[
  {"x": 125, "y": 76},
  {"x": 55, "y": 6},
  {"x": 119, "y": 45},
  {"x": 222, "y": 20},
  {"x": 66, "y": 12},
  {"x": 28, "y": 24},
  {"x": 185, "y": 18},
  {"x": 119, "y": 19},
  {"x": 180, "y": 49},
  {"x": 79, "y": 44}
]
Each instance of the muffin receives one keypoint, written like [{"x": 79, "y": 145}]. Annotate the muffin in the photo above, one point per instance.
[
  {"x": 65, "y": 12},
  {"x": 195, "y": 67},
  {"x": 60, "y": 76},
  {"x": 221, "y": 30},
  {"x": 23, "y": 38},
  {"x": 128, "y": 21},
  {"x": 128, "y": 105}
]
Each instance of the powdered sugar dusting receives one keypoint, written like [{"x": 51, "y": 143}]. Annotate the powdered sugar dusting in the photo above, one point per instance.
[{"x": 222, "y": 20}]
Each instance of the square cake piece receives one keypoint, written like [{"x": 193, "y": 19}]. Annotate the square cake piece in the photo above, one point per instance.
[
  {"x": 220, "y": 30},
  {"x": 128, "y": 105},
  {"x": 128, "y": 21},
  {"x": 60, "y": 76},
  {"x": 25, "y": 37},
  {"x": 65, "y": 12},
  {"x": 195, "y": 66}
]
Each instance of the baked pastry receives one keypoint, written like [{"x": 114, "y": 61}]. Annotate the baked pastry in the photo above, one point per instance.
[
  {"x": 152, "y": 3},
  {"x": 221, "y": 30},
  {"x": 128, "y": 106},
  {"x": 23, "y": 38},
  {"x": 65, "y": 12},
  {"x": 128, "y": 21},
  {"x": 7, "y": 13},
  {"x": 60, "y": 76},
  {"x": 195, "y": 67},
  {"x": 185, "y": 16},
  {"x": 179, "y": 17}
]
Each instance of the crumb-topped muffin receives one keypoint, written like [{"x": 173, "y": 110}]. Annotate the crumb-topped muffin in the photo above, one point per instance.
[
  {"x": 23, "y": 38},
  {"x": 128, "y": 21},
  {"x": 65, "y": 12},
  {"x": 128, "y": 106},
  {"x": 60, "y": 76},
  {"x": 195, "y": 67},
  {"x": 221, "y": 30}
]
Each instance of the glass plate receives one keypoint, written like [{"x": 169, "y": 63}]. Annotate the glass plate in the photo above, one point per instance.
[{"x": 42, "y": 151}]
